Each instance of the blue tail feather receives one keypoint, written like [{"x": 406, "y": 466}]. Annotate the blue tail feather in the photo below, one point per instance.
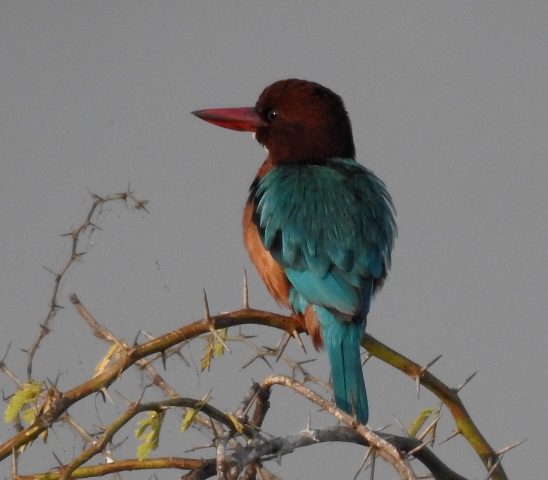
[{"x": 342, "y": 342}]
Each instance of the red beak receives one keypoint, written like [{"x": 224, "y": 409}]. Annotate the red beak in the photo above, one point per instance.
[{"x": 241, "y": 119}]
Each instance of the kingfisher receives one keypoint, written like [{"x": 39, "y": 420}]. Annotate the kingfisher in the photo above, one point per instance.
[{"x": 318, "y": 226}]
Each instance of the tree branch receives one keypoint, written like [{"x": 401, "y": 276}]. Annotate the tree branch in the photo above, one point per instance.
[{"x": 60, "y": 402}]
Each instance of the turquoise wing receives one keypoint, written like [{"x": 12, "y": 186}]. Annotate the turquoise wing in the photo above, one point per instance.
[{"x": 330, "y": 226}]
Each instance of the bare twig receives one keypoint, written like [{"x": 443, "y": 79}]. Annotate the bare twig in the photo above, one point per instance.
[{"x": 76, "y": 235}]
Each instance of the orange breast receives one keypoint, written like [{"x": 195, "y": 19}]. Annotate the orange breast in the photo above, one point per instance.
[{"x": 271, "y": 273}]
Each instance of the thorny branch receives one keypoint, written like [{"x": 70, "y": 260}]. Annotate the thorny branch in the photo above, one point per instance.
[
  {"x": 239, "y": 440},
  {"x": 61, "y": 402},
  {"x": 76, "y": 235}
]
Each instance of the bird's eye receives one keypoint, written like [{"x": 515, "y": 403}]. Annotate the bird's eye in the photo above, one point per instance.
[{"x": 271, "y": 115}]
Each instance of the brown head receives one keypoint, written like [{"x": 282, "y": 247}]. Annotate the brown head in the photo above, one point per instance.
[{"x": 295, "y": 120}]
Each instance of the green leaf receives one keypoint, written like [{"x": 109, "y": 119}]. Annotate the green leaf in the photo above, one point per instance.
[
  {"x": 236, "y": 423},
  {"x": 189, "y": 417},
  {"x": 205, "y": 361},
  {"x": 417, "y": 424},
  {"x": 214, "y": 347},
  {"x": 219, "y": 347},
  {"x": 28, "y": 393},
  {"x": 192, "y": 412},
  {"x": 151, "y": 439},
  {"x": 28, "y": 415},
  {"x": 143, "y": 451}
]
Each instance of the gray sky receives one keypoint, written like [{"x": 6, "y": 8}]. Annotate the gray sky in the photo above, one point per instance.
[{"x": 449, "y": 107}]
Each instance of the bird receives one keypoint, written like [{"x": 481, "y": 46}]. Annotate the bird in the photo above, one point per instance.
[{"x": 318, "y": 226}]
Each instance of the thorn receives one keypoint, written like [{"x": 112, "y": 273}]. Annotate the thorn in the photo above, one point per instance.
[
  {"x": 182, "y": 357},
  {"x": 242, "y": 414},
  {"x": 502, "y": 451},
  {"x": 246, "y": 291},
  {"x": 452, "y": 435},
  {"x": 5, "y": 354},
  {"x": 128, "y": 403},
  {"x": 58, "y": 461},
  {"x": 200, "y": 447},
  {"x": 108, "y": 456},
  {"x": 53, "y": 385},
  {"x": 309, "y": 423},
  {"x": 366, "y": 358},
  {"x": 116, "y": 446},
  {"x": 141, "y": 205},
  {"x": 418, "y": 447},
  {"x": 206, "y": 308},
  {"x": 489, "y": 473},
  {"x": 209, "y": 321},
  {"x": 463, "y": 384},
  {"x": 382, "y": 428},
  {"x": 281, "y": 346},
  {"x": 431, "y": 363},
  {"x": 373, "y": 458},
  {"x": 365, "y": 458},
  {"x": 308, "y": 360},
  {"x": 220, "y": 340},
  {"x": 95, "y": 196},
  {"x": 49, "y": 270},
  {"x": 216, "y": 436},
  {"x": 164, "y": 359},
  {"x": 96, "y": 227},
  {"x": 421, "y": 373},
  {"x": 402, "y": 428},
  {"x": 141, "y": 397},
  {"x": 13, "y": 463},
  {"x": 263, "y": 358},
  {"x": 299, "y": 341},
  {"x": 430, "y": 427},
  {"x": 245, "y": 365},
  {"x": 101, "y": 428},
  {"x": 106, "y": 395},
  {"x": 44, "y": 328}
]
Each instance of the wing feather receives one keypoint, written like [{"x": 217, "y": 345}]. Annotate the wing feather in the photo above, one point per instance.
[{"x": 330, "y": 226}]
